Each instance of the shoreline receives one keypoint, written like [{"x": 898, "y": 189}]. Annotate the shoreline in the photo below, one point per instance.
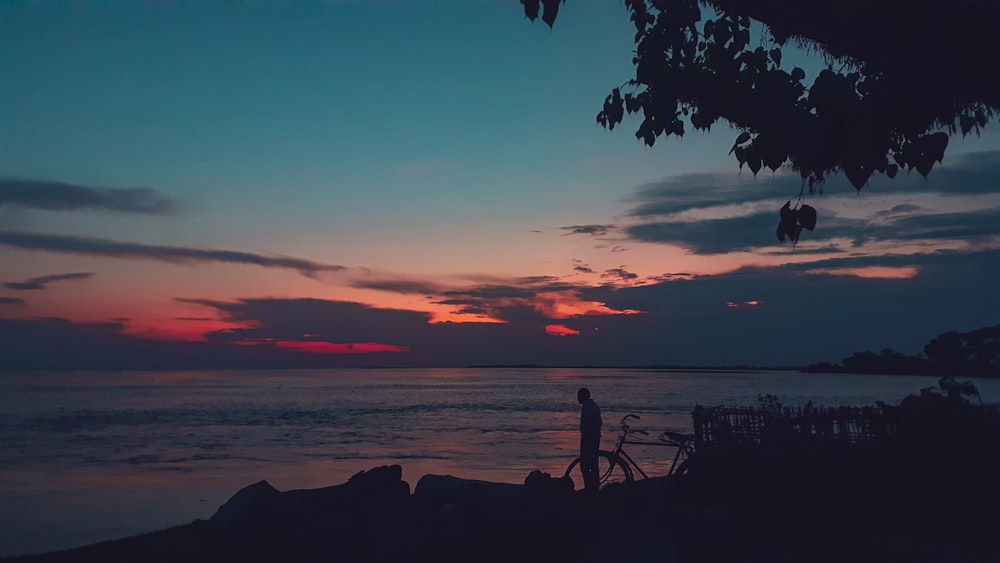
[{"x": 375, "y": 516}]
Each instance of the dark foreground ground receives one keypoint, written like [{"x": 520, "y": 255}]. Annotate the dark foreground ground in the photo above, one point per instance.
[
  {"x": 929, "y": 491},
  {"x": 716, "y": 513}
]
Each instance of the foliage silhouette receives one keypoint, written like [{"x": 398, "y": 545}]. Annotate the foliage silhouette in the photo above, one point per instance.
[
  {"x": 925, "y": 469},
  {"x": 900, "y": 79},
  {"x": 966, "y": 354}
]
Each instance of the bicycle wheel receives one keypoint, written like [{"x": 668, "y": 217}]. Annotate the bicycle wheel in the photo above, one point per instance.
[
  {"x": 680, "y": 469},
  {"x": 610, "y": 467}
]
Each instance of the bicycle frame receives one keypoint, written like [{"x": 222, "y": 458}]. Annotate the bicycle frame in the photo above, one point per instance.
[
  {"x": 619, "y": 458},
  {"x": 667, "y": 439}
]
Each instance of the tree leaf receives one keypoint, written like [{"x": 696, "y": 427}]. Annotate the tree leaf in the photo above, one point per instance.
[
  {"x": 741, "y": 155},
  {"x": 742, "y": 138},
  {"x": 936, "y": 144},
  {"x": 807, "y": 217},
  {"x": 677, "y": 127},
  {"x": 530, "y": 9},
  {"x": 924, "y": 164},
  {"x": 551, "y": 9},
  {"x": 966, "y": 122},
  {"x": 753, "y": 161},
  {"x": 775, "y": 55}
]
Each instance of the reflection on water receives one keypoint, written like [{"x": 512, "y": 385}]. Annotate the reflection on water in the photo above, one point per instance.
[{"x": 92, "y": 456}]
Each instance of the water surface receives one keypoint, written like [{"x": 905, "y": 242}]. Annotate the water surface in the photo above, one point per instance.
[{"x": 92, "y": 456}]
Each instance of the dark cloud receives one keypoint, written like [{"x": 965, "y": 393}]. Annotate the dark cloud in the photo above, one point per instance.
[
  {"x": 620, "y": 273},
  {"x": 582, "y": 267},
  {"x": 536, "y": 280},
  {"x": 804, "y": 249},
  {"x": 803, "y": 318},
  {"x": 939, "y": 226},
  {"x": 711, "y": 236},
  {"x": 331, "y": 321},
  {"x": 175, "y": 254},
  {"x": 520, "y": 288},
  {"x": 901, "y": 209},
  {"x": 699, "y": 191},
  {"x": 60, "y": 196},
  {"x": 671, "y": 276},
  {"x": 412, "y": 286},
  {"x": 942, "y": 261},
  {"x": 594, "y": 230},
  {"x": 486, "y": 292},
  {"x": 401, "y": 285},
  {"x": 756, "y": 231},
  {"x": 41, "y": 282},
  {"x": 12, "y": 301},
  {"x": 974, "y": 173},
  {"x": 530, "y": 300}
]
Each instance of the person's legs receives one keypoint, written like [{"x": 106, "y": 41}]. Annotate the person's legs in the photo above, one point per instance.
[{"x": 588, "y": 463}]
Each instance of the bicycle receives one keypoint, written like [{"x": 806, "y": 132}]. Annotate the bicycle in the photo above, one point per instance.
[{"x": 617, "y": 466}]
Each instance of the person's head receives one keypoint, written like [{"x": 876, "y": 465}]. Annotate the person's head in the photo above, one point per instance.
[{"x": 583, "y": 394}]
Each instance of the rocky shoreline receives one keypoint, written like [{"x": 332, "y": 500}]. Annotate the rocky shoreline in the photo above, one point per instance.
[{"x": 375, "y": 517}]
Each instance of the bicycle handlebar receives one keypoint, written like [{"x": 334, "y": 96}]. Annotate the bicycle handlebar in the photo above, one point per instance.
[{"x": 625, "y": 427}]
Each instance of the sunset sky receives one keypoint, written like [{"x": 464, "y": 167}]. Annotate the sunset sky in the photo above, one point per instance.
[{"x": 423, "y": 183}]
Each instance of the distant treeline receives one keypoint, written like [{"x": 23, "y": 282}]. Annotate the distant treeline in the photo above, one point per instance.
[{"x": 958, "y": 354}]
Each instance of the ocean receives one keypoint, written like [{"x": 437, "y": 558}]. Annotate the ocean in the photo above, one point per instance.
[{"x": 92, "y": 456}]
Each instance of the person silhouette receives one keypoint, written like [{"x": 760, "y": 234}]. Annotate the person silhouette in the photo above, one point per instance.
[{"x": 590, "y": 440}]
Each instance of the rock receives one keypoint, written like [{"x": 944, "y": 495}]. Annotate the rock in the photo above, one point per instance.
[
  {"x": 256, "y": 505},
  {"x": 369, "y": 490},
  {"x": 441, "y": 490},
  {"x": 540, "y": 481}
]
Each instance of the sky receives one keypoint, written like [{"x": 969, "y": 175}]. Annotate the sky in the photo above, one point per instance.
[{"x": 397, "y": 183}]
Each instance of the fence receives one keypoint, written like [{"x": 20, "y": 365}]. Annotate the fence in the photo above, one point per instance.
[{"x": 756, "y": 426}]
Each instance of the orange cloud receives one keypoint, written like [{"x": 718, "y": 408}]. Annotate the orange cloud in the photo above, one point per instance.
[
  {"x": 450, "y": 316},
  {"x": 566, "y": 305},
  {"x": 561, "y": 330}
]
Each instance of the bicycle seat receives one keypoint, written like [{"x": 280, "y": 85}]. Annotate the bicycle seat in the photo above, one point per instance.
[{"x": 676, "y": 437}]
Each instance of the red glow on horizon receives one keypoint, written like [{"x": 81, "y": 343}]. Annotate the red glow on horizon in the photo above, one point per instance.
[
  {"x": 752, "y": 303},
  {"x": 560, "y": 330},
  {"x": 180, "y": 330},
  {"x": 327, "y": 348}
]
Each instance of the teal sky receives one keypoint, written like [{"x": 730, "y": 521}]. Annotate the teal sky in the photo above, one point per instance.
[{"x": 446, "y": 145}]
